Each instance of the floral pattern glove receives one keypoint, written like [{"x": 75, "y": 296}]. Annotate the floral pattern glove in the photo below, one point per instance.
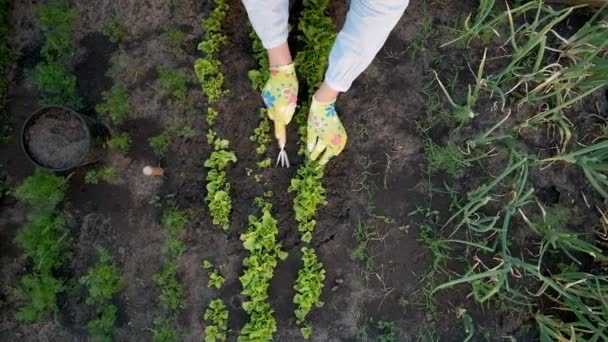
[
  {"x": 280, "y": 95},
  {"x": 325, "y": 131}
]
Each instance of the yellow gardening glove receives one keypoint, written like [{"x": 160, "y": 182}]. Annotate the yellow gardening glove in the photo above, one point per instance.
[
  {"x": 325, "y": 131},
  {"x": 280, "y": 95}
]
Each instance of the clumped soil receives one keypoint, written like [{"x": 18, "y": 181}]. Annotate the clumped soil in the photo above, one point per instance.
[
  {"x": 373, "y": 185},
  {"x": 56, "y": 139}
]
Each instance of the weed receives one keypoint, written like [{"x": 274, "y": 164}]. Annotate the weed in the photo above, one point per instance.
[
  {"x": 114, "y": 29},
  {"x": 174, "y": 37},
  {"x": 163, "y": 330},
  {"x": 173, "y": 247},
  {"x": 106, "y": 174},
  {"x": 173, "y": 85},
  {"x": 175, "y": 219},
  {"x": 116, "y": 103},
  {"x": 388, "y": 331},
  {"x": 160, "y": 144},
  {"x": 171, "y": 296},
  {"x": 449, "y": 159},
  {"x": 426, "y": 33},
  {"x": 363, "y": 236},
  {"x": 119, "y": 65},
  {"x": 186, "y": 132},
  {"x": 120, "y": 142}
]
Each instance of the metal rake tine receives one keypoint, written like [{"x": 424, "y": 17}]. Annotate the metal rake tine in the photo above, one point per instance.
[{"x": 282, "y": 159}]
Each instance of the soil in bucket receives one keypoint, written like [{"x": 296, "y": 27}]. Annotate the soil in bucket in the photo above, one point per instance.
[{"x": 57, "y": 139}]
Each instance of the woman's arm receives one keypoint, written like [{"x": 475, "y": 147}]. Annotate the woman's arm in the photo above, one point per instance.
[
  {"x": 368, "y": 24},
  {"x": 269, "y": 19}
]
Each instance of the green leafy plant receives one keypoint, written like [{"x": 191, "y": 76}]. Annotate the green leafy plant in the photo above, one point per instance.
[
  {"x": 308, "y": 286},
  {"x": 101, "y": 327},
  {"x": 218, "y": 189},
  {"x": 107, "y": 174},
  {"x": 173, "y": 247},
  {"x": 55, "y": 84},
  {"x": 261, "y": 134},
  {"x": 39, "y": 293},
  {"x": 174, "y": 37},
  {"x": 120, "y": 142},
  {"x": 218, "y": 315},
  {"x": 175, "y": 219},
  {"x": 388, "y": 331},
  {"x": 207, "y": 67},
  {"x": 186, "y": 132},
  {"x": 171, "y": 296},
  {"x": 160, "y": 143},
  {"x": 212, "y": 116},
  {"x": 309, "y": 195},
  {"x": 43, "y": 189},
  {"x": 448, "y": 158},
  {"x": 116, "y": 103},
  {"x": 163, "y": 330},
  {"x": 114, "y": 28},
  {"x": 103, "y": 283},
  {"x": 259, "y": 76},
  {"x": 260, "y": 241},
  {"x": 215, "y": 278},
  {"x": 44, "y": 240},
  {"x": 57, "y": 23},
  {"x": 173, "y": 85}
]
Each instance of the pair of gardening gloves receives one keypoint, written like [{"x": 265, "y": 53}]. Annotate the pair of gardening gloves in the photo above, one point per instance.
[{"x": 326, "y": 136}]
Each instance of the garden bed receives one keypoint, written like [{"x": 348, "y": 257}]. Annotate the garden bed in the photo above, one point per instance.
[{"x": 377, "y": 237}]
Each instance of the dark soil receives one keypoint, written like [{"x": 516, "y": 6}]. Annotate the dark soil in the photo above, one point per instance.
[
  {"x": 56, "y": 139},
  {"x": 375, "y": 183}
]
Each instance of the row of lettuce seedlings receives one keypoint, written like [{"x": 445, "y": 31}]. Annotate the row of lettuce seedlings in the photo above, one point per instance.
[
  {"x": 318, "y": 34},
  {"x": 207, "y": 69},
  {"x": 307, "y": 185}
]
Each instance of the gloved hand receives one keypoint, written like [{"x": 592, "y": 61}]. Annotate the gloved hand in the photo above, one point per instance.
[
  {"x": 280, "y": 95},
  {"x": 325, "y": 131}
]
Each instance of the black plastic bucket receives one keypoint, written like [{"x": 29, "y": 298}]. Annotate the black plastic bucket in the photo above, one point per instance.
[{"x": 57, "y": 138}]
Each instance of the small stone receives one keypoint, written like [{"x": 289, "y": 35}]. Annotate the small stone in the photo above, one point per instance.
[
  {"x": 339, "y": 281},
  {"x": 334, "y": 289}
]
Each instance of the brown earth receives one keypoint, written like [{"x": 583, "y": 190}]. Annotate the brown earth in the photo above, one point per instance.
[{"x": 377, "y": 182}]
